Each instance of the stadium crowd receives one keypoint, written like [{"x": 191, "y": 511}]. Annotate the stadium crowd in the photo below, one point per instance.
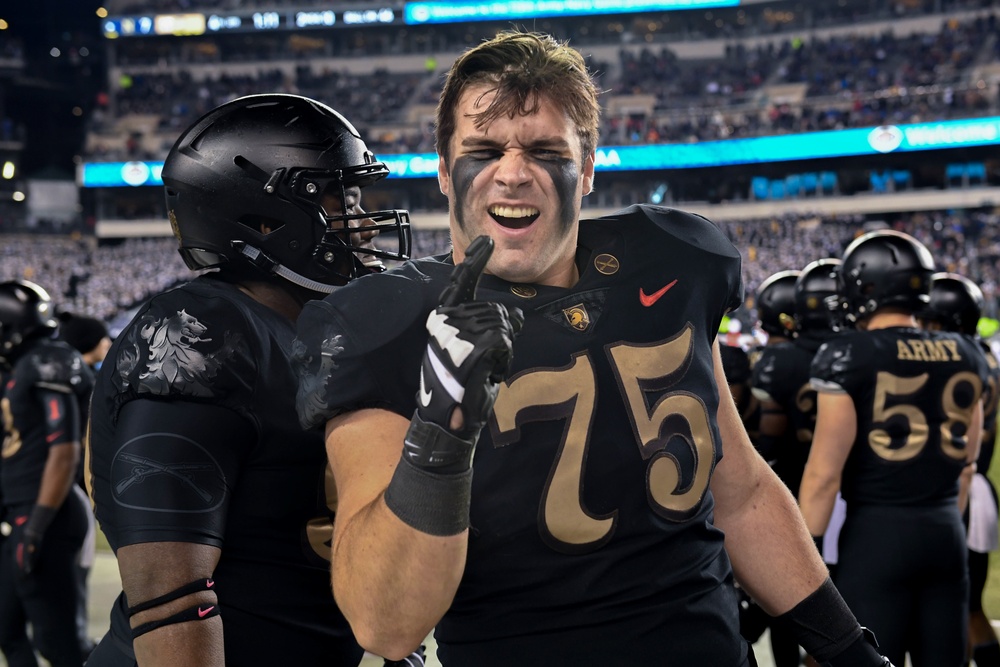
[
  {"x": 105, "y": 280},
  {"x": 849, "y": 80}
]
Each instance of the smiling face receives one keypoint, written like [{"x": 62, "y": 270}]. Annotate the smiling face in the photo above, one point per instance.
[{"x": 520, "y": 181}]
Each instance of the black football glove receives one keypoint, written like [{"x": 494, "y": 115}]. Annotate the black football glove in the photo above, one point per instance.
[
  {"x": 30, "y": 545},
  {"x": 468, "y": 353}
]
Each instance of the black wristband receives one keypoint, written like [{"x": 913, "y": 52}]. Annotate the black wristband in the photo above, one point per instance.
[
  {"x": 823, "y": 624},
  {"x": 862, "y": 653},
  {"x": 433, "y": 503},
  {"x": 40, "y": 519},
  {"x": 430, "y": 446}
]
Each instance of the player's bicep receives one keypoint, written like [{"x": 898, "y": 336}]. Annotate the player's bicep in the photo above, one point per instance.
[
  {"x": 173, "y": 470},
  {"x": 363, "y": 447}
]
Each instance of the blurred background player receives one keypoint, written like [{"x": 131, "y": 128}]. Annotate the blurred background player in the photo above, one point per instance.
[
  {"x": 956, "y": 304},
  {"x": 776, "y": 315},
  {"x": 89, "y": 336},
  {"x": 44, "y": 399},
  {"x": 899, "y": 418},
  {"x": 218, "y": 506}
]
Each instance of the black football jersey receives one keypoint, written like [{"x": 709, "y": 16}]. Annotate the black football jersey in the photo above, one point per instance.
[
  {"x": 736, "y": 365},
  {"x": 49, "y": 365},
  {"x": 269, "y": 501},
  {"x": 914, "y": 392},
  {"x": 591, "y": 536},
  {"x": 782, "y": 375}
]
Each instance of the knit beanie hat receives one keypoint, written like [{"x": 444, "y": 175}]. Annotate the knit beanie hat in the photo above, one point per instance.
[{"x": 83, "y": 333}]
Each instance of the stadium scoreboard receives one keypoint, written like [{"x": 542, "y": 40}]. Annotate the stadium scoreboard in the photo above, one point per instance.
[{"x": 417, "y": 12}]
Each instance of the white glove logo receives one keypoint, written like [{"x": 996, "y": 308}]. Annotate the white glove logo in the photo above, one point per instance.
[{"x": 425, "y": 396}]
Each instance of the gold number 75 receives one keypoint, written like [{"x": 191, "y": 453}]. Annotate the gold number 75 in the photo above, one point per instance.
[{"x": 675, "y": 485}]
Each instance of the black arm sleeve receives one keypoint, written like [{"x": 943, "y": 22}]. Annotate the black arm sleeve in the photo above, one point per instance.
[{"x": 173, "y": 471}]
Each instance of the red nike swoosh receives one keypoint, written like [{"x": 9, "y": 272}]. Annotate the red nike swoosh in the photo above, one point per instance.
[
  {"x": 649, "y": 299},
  {"x": 202, "y": 612},
  {"x": 51, "y": 437},
  {"x": 209, "y": 583}
]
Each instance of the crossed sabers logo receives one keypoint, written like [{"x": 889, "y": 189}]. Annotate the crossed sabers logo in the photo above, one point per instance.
[{"x": 145, "y": 467}]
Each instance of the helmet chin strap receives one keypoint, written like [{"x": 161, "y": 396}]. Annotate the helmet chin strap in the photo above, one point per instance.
[{"x": 262, "y": 261}]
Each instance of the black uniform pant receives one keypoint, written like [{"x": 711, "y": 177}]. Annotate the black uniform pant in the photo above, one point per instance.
[
  {"x": 48, "y": 598},
  {"x": 14, "y": 641},
  {"x": 903, "y": 572}
]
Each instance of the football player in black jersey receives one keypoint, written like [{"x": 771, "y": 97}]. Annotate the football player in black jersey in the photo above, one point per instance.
[
  {"x": 956, "y": 305},
  {"x": 776, "y": 316},
  {"x": 774, "y": 440},
  {"x": 45, "y": 392},
  {"x": 218, "y": 506},
  {"x": 615, "y": 493},
  {"x": 900, "y": 416},
  {"x": 90, "y": 337}
]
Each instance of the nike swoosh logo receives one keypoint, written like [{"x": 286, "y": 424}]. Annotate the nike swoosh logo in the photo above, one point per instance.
[
  {"x": 209, "y": 583},
  {"x": 204, "y": 612},
  {"x": 52, "y": 437},
  {"x": 649, "y": 299},
  {"x": 425, "y": 396}
]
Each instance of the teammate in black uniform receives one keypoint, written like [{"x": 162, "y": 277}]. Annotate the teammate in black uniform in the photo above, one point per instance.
[
  {"x": 14, "y": 641},
  {"x": 89, "y": 336},
  {"x": 956, "y": 305},
  {"x": 775, "y": 313},
  {"x": 900, "y": 416},
  {"x": 781, "y": 383},
  {"x": 46, "y": 389},
  {"x": 218, "y": 506},
  {"x": 736, "y": 366},
  {"x": 776, "y": 316},
  {"x": 603, "y": 524}
]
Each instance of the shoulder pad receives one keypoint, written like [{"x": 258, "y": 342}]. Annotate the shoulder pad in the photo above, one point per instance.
[
  {"x": 690, "y": 228},
  {"x": 54, "y": 365},
  {"x": 354, "y": 331},
  {"x": 184, "y": 345}
]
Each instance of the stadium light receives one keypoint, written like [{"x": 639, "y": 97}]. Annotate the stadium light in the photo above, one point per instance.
[
  {"x": 17, "y": 196},
  {"x": 8, "y": 170}
]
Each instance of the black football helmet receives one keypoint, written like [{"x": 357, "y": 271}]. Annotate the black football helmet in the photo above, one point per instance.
[
  {"x": 885, "y": 268},
  {"x": 817, "y": 299},
  {"x": 245, "y": 187},
  {"x": 956, "y": 303},
  {"x": 25, "y": 313},
  {"x": 776, "y": 303}
]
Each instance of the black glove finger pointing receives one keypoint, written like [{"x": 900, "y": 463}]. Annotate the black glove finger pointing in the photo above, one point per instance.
[{"x": 465, "y": 276}]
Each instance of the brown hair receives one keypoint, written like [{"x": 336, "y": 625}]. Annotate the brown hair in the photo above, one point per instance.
[{"x": 523, "y": 66}]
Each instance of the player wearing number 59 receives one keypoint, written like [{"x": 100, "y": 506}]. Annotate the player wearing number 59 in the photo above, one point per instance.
[
  {"x": 566, "y": 491},
  {"x": 899, "y": 416}
]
